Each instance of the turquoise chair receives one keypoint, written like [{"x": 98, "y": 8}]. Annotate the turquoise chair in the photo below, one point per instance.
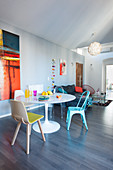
[{"x": 78, "y": 110}]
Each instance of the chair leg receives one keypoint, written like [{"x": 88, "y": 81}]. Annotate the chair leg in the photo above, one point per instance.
[
  {"x": 61, "y": 105},
  {"x": 69, "y": 121},
  {"x": 51, "y": 111},
  {"x": 16, "y": 133},
  {"x": 28, "y": 141},
  {"x": 29, "y": 129},
  {"x": 84, "y": 120},
  {"x": 41, "y": 130},
  {"x": 68, "y": 112}
]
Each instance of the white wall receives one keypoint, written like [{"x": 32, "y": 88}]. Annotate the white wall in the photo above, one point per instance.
[
  {"x": 107, "y": 61},
  {"x": 36, "y": 55},
  {"x": 95, "y": 70}
]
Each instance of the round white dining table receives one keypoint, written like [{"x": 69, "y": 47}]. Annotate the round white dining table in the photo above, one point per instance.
[{"x": 48, "y": 126}]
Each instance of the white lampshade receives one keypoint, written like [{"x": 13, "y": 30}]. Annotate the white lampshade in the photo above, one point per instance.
[{"x": 95, "y": 48}]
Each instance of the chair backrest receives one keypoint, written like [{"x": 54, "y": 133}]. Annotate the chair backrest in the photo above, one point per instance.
[
  {"x": 38, "y": 87},
  {"x": 88, "y": 88},
  {"x": 59, "y": 89},
  {"x": 18, "y": 93},
  {"x": 18, "y": 110},
  {"x": 85, "y": 96}
]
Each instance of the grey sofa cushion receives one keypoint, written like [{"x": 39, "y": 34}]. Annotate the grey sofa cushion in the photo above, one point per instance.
[{"x": 69, "y": 88}]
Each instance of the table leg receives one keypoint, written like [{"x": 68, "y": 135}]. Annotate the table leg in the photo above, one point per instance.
[
  {"x": 47, "y": 125},
  {"x": 46, "y": 112},
  {"x": 62, "y": 109}
]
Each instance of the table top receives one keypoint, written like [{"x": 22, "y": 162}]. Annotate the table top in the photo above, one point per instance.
[{"x": 52, "y": 98}]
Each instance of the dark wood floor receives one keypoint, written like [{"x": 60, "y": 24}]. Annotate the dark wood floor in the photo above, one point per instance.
[{"x": 63, "y": 150}]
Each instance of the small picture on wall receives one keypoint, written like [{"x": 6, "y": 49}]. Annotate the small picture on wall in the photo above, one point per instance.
[{"x": 63, "y": 67}]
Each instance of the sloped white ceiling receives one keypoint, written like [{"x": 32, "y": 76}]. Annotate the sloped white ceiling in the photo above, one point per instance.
[{"x": 69, "y": 23}]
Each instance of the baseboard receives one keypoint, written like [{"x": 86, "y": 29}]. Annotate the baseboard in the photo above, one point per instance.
[{"x": 2, "y": 116}]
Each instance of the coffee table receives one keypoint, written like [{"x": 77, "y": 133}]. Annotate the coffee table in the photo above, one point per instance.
[
  {"x": 48, "y": 126},
  {"x": 100, "y": 97}
]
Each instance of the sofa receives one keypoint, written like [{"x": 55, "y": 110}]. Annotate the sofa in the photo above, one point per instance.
[{"x": 74, "y": 90}]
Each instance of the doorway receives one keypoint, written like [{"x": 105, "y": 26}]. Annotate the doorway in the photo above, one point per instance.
[
  {"x": 79, "y": 74},
  {"x": 109, "y": 77},
  {"x": 109, "y": 81}
]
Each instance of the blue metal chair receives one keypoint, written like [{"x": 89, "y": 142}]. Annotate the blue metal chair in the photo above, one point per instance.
[{"x": 78, "y": 110}]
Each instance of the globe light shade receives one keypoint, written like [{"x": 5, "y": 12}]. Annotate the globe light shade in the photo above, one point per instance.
[{"x": 95, "y": 48}]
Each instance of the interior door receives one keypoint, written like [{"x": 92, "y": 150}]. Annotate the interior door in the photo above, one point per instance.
[{"x": 79, "y": 74}]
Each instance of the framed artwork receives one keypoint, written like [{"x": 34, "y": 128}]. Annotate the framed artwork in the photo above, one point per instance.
[
  {"x": 9, "y": 64},
  {"x": 63, "y": 67}
]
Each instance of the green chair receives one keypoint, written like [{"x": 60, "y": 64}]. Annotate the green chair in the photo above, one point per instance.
[
  {"x": 20, "y": 114},
  {"x": 78, "y": 110}
]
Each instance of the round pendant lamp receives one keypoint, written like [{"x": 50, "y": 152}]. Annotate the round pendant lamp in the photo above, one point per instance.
[{"x": 95, "y": 48}]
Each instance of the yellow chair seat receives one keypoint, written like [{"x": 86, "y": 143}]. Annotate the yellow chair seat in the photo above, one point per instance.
[{"x": 32, "y": 117}]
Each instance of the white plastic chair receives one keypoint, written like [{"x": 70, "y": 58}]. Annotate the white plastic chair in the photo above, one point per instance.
[
  {"x": 21, "y": 93},
  {"x": 20, "y": 114},
  {"x": 40, "y": 89}
]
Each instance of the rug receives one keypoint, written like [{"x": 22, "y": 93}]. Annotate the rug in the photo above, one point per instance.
[{"x": 103, "y": 104}]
